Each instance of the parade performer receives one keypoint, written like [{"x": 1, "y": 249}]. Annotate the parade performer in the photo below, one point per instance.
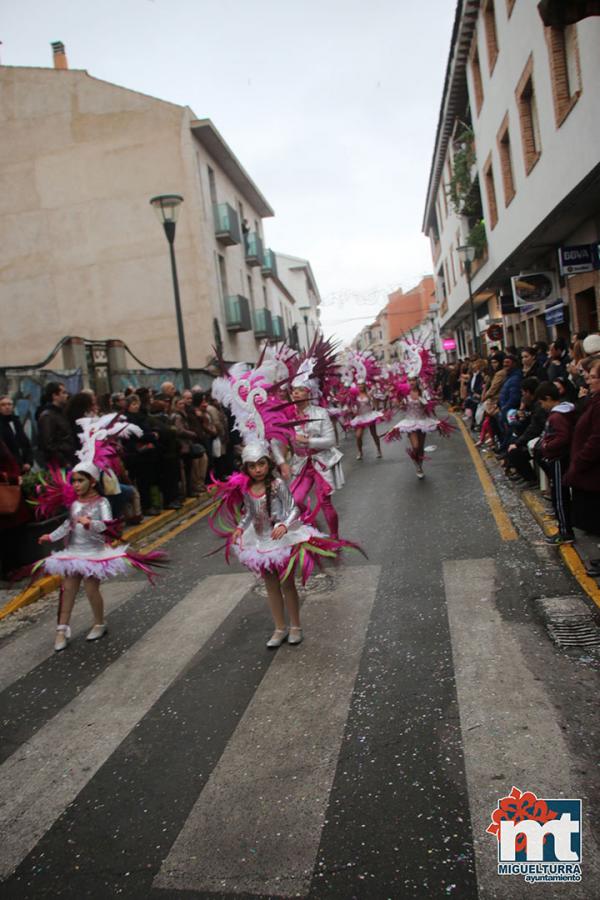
[
  {"x": 366, "y": 417},
  {"x": 315, "y": 461},
  {"x": 420, "y": 419},
  {"x": 89, "y": 529},
  {"x": 256, "y": 512}
]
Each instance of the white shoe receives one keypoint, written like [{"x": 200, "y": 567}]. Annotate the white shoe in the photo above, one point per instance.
[
  {"x": 295, "y": 636},
  {"x": 420, "y": 473},
  {"x": 359, "y": 455},
  {"x": 277, "y": 638},
  {"x": 63, "y": 633},
  {"x": 97, "y": 632}
]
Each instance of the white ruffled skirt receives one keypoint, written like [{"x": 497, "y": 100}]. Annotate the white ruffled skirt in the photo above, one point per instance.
[
  {"x": 366, "y": 419},
  {"x": 104, "y": 563},
  {"x": 260, "y": 553}
]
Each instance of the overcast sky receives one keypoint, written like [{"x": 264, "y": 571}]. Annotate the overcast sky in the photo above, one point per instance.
[{"x": 330, "y": 105}]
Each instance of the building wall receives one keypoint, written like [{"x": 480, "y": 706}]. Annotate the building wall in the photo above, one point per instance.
[
  {"x": 407, "y": 310},
  {"x": 569, "y": 151}
]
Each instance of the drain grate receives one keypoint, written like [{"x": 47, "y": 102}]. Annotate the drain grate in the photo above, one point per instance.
[
  {"x": 574, "y": 631},
  {"x": 569, "y": 622}
]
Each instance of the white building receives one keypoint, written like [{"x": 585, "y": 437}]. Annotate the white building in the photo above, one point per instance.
[
  {"x": 523, "y": 99},
  {"x": 81, "y": 252}
]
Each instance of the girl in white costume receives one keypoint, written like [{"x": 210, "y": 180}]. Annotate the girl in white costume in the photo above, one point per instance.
[{"x": 366, "y": 417}]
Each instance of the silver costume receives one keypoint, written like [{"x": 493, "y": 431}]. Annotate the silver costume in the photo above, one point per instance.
[
  {"x": 82, "y": 539},
  {"x": 326, "y": 457}
]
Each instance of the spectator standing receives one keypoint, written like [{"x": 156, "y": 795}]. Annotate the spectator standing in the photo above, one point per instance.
[
  {"x": 13, "y": 434},
  {"x": 11, "y": 524},
  {"x": 532, "y": 419},
  {"x": 583, "y": 474},
  {"x": 532, "y": 367},
  {"x": 541, "y": 355},
  {"x": 55, "y": 438},
  {"x": 508, "y": 398},
  {"x": 557, "y": 367},
  {"x": 554, "y": 456}
]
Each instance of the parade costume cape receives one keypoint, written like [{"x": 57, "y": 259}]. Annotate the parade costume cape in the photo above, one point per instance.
[{"x": 300, "y": 549}]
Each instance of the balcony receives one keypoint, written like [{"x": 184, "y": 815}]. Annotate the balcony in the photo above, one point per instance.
[
  {"x": 263, "y": 326},
  {"x": 278, "y": 328},
  {"x": 227, "y": 224},
  {"x": 269, "y": 266},
  {"x": 254, "y": 249},
  {"x": 237, "y": 313}
]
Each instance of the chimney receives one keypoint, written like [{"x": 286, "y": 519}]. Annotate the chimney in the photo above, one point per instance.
[{"x": 59, "y": 55}]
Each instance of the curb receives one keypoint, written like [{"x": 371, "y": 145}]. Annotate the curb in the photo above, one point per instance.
[
  {"x": 132, "y": 536},
  {"x": 568, "y": 552}
]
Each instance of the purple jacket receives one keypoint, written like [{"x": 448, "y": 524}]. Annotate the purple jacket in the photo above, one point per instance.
[{"x": 584, "y": 470}]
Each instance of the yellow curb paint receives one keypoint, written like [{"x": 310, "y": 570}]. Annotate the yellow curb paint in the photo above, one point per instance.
[
  {"x": 183, "y": 527},
  {"x": 569, "y": 554},
  {"x": 52, "y": 582},
  {"x": 31, "y": 594},
  {"x": 503, "y": 523}
]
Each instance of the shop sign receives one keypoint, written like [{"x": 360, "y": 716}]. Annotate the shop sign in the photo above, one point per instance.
[
  {"x": 534, "y": 287},
  {"x": 495, "y": 333},
  {"x": 578, "y": 258},
  {"x": 555, "y": 315},
  {"x": 449, "y": 344}
]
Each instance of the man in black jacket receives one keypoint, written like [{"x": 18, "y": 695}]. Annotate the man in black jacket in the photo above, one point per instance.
[
  {"x": 55, "y": 438},
  {"x": 13, "y": 435},
  {"x": 518, "y": 456}
]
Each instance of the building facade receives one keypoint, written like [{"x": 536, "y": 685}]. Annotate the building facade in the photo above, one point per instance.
[
  {"x": 516, "y": 175},
  {"x": 81, "y": 251}
]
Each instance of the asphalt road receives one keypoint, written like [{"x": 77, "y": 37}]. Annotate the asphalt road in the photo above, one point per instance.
[{"x": 177, "y": 757}]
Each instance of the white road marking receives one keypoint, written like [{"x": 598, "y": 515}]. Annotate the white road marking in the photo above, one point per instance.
[
  {"x": 509, "y": 725},
  {"x": 56, "y": 764},
  {"x": 257, "y": 824}
]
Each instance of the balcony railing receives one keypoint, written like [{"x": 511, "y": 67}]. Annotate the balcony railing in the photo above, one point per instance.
[
  {"x": 254, "y": 249},
  {"x": 227, "y": 224},
  {"x": 263, "y": 326},
  {"x": 237, "y": 313},
  {"x": 278, "y": 328},
  {"x": 269, "y": 266}
]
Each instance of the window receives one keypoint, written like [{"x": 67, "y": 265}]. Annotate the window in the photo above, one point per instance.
[
  {"x": 565, "y": 70},
  {"x": 491, "y": 37},
  {"x": 506, "y": 170},
  {"x": 445, "y": 202},
  {"x": 490, "y": 189},
  {"x": 452, "y": 269},
  {"x": 223, "y": 276},
  {"x": 440, "y": 289},
  {"x": 476, "y": 73},
  {"x": 528, "y": 117},
  {"x": 251, "y": 292},
  {"x": 212, "y": 185}
]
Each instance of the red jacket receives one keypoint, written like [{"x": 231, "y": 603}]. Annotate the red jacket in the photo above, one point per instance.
[
  {"x": 558, "y": 431},
  {"x": 584, "y": 470}
]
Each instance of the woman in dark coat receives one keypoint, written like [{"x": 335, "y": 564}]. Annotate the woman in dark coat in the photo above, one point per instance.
[{"x": 583, "y": 474}]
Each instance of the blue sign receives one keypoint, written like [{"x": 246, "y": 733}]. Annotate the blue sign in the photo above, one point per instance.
[
  {"x": 555, "y": 315},
  {"x": 578, "y": 258}
]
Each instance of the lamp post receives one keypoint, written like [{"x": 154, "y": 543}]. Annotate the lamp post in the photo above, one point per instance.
[
  {"x": 466, "y": 253},
  {"x": 166, "y": 208},
  {"x": 305, "y": 310}
]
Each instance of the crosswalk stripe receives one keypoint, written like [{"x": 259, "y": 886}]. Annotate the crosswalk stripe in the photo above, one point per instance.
[
  {"x": 32, "y": 646},
  {"x": 64, "y": 755},
  {"x": 502, "y": 707},
  {"x": 257, "y": 824}
]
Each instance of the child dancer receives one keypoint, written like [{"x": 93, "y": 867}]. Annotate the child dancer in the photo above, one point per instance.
[
  {"x": 420, "y": 419},
  {"x": 87, "y": 556},
  {"x": 366, "y": 417},
  {"x": 256, "y": 512}
]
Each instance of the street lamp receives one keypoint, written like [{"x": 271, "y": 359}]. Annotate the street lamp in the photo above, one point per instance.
[
  {"x": 166, "y": 208},
  {"x": 305, "y": 311},
  {"x": 466, "y": 254}
]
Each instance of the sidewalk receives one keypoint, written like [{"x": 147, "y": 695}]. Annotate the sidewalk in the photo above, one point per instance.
[
  {"x": 16, "y": 596},
  {"x": 575, "y": 556}
]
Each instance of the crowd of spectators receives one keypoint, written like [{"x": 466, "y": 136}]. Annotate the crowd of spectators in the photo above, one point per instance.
[
  {"x": 187, "y": 437},
  {"x": 538, "y": 410}
]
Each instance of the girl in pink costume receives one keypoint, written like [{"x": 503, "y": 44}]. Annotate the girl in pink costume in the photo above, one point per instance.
[
  {"x": 366, "y": 417},
  {"x": 420, "y": 419}
]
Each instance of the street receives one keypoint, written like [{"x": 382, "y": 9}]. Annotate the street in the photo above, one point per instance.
[{"x": 179, "y": 757}]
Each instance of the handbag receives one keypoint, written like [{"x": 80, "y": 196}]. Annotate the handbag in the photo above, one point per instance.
[
  {"x": 479, "y": 413},
  {"x": 10, "y": 497}
]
